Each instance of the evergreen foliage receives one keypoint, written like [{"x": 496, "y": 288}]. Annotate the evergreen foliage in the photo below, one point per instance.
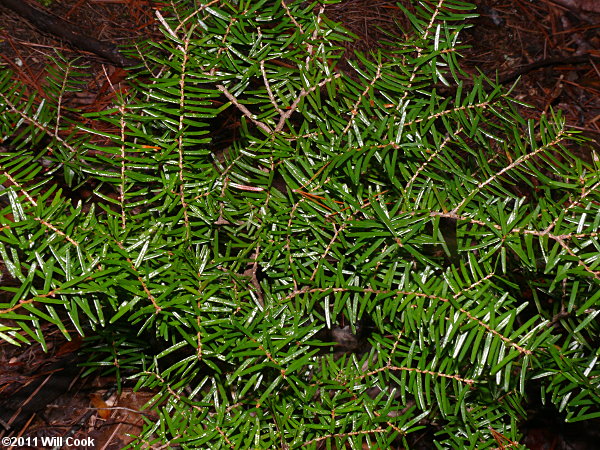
[{"x": 449, "y": 243}]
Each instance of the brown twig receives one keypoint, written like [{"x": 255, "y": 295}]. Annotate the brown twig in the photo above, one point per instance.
[
  {"x": 52, "y": 24},
  {"x": 547, "y": 62}
]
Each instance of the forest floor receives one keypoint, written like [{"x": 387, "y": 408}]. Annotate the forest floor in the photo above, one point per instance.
[{"x": 550, "y": 48}]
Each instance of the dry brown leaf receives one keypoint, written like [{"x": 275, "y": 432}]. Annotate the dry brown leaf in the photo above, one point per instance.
[{"x": 99, "y": 403}]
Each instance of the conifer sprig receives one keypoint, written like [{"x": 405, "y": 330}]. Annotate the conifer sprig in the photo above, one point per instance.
[{"x": 448, "y": 246}]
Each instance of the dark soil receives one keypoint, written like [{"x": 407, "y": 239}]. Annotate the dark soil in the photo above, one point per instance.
[{"x": 552, "y": 51}]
